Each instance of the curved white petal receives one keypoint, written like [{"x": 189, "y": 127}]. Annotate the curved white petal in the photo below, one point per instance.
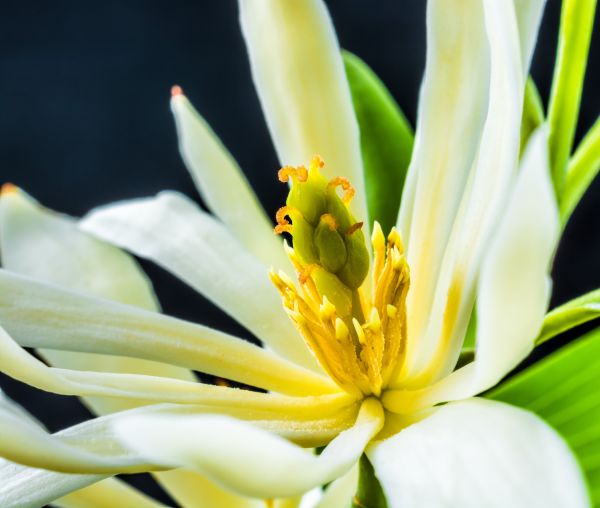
[
  {"x": 299, "y": 76},
  {"x": 17, "y": 363},
  {"x": 173, "y": 232},
  {"x": 513, "y": 288},
  {"x": 248, "y": 460},
  {"x": 223, "y": 186},
  {"x": 27, "y": 487},
  {"x": 450, "y": 203},
  {"x": 481, "y": 203},
  {"x": 478, "y": 453},
  {"x": 452, "y": 108},
  {"x": 48, "y": 246},
  {"x": 43, "y": 316},
  {"x": 39, "y": 243}
]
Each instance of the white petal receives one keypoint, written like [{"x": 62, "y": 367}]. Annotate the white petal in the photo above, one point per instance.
[
  {"x": 43, "y": 316},
  {"x": 452, "y": 108},
  {"x": 246, "y": 459},
  {"x": 478, "y": 453},
  {"x": 299, "y": 76},
  {"x": 26, "y": 487},
  {"x": 50, "y": 247},
  {"x": 513, "y": 288},
  {"x": 223, "y": 186},
  {"x": 482, "y": 202},
  {"x": 176, "y": 234},
  {"x": 441, "y": 304},
  {"x": 17, "y": 363}
]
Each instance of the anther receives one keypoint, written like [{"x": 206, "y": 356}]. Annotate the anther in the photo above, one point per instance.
[
  {"x": 287, "y": 172},
  {"x": 374, "y": 321},
  {"x": 346, "y": 186},
  {"x": 305, "y": 274},
  {"x": 283, "y": 225},
  {"x": 359, "y": 331},
  {"x": 326, "y": 309},
  {"x": 329, "y": 219},
  {"x": 391, "y": 311},
  {"x": 316, "y": 163},
  {"x": 354, "y": 228},
  {"x": 176, "y": 90},
  {"x": 341, "y": 330}
]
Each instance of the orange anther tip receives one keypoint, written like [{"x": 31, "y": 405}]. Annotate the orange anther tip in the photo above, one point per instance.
[
  {"x": 354, "y": 228},
  {"x": 176, "y": 90},
  {"x": 8, "y": 188}
]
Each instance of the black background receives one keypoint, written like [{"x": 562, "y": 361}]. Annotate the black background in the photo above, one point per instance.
[{"x": 84, "y": 115}]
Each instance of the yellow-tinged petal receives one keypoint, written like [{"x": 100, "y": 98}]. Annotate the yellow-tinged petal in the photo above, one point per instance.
[
  {"x": 223, "y": 186},
  {"x": 173, "y": 232},
  {"x": 513, "y": 288},
  {"x": 43, "y": 316},
  {"x": 299, "y": 76},
  {"x": 109, "y": 492},
  {"x": 482, "y": 202},
  {"x": 244, "y": 458}
]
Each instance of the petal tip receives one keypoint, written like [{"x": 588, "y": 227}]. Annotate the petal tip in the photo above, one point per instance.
[
  {"x": 8, "y": 189},
  {"x": 176, "y": 91}
]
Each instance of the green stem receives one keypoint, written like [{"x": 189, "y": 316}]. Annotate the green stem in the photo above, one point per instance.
[
  {"x": 583, "y": 168},
  {"x": 577, "y": 19},
  {"x": 369, "y": 493}
]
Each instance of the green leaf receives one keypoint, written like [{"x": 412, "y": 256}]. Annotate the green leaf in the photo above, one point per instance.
[
  {"x": 369, "y": 493},
  {"x": 533, "y": 112},
  {"x": 569, "y": 315},
  {"x": 564, "y": 390},
  {"x": 577, "y": 19},
  {"x": 583, "y": 168},
  {"x": 386, "y": 141}
]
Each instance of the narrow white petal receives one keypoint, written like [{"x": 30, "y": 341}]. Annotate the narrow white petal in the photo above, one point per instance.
[
  {"x": 479, "y": 453},
  {"x": 17, "y": 363},
  {"x": 452, "y": 108},
  {"x": 513, "y": 288},
  {"x": 26, "y": 487},
  {"x": 172, "y": 231},
  {"x": 481, "y": 203},
  {"x": 43, "y": 316},
  {"x": 223, "y": 186},
  {"x": 529, "y": 16},
  {"x": 299, "y": 76},
  {"x": 246, "y": 459}
]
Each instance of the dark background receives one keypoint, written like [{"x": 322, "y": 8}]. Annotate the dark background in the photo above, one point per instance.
[{"x": 85, "y": 120}]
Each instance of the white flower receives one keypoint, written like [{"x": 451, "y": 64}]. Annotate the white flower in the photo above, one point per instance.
[{"x": 479, "y": 228}]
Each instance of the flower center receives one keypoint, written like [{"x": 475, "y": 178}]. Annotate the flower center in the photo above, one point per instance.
[{"x": 353, "y": 322}]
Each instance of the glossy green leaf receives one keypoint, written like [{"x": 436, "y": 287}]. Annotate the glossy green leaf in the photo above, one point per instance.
[
  {"x": 569, "y": 315},
  {"x": 577, "y": 19},
  {"x": 533, "y": 112},
  {"x": 386, "y": 141},
  {"x": 564, "y": 390},
  {"x": 369, "y": 493},
  {"x": 583, "y": 168}
]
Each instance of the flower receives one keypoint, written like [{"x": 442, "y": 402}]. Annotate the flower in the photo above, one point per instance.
[{"x": 379, "y": 339}]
